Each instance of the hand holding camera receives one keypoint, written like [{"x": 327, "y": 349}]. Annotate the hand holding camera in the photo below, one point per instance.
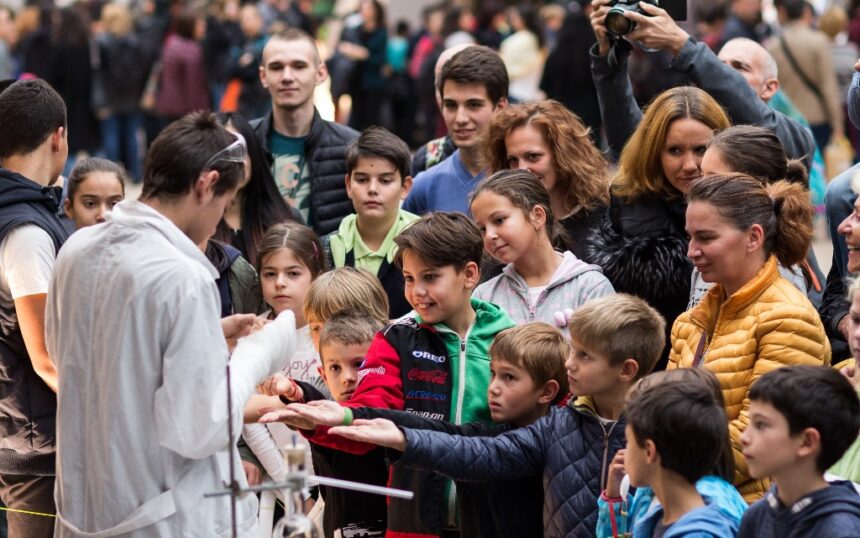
[{"x": 641, "y": 21}]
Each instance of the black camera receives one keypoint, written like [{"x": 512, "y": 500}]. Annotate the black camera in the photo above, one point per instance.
[{"x": 617, "y": 25}]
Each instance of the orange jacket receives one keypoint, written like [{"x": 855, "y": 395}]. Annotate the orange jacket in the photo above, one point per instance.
[{"x": 766, "y": 324}]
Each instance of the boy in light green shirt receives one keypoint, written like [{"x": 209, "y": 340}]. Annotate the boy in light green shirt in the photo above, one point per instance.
[{"x": 377, "y": 180}]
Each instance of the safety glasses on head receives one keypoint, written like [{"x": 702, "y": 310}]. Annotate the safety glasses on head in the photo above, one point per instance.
[{"x": 236, "y": 152}]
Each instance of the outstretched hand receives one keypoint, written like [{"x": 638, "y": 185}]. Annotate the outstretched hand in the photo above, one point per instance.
[
  {"x": 235, "y": 327},
  {"x": 656, "y": 29},
  {"x": 316, "y": 413},
  {"x": 281, "y": 385},
  {"x": 378, "y": 431}
]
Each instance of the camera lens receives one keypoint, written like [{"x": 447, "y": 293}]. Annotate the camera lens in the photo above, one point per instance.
[{"x": 617, "y": 24}]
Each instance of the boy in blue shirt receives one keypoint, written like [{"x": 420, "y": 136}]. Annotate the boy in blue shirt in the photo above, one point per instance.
[{"x": 802, "y": 419}]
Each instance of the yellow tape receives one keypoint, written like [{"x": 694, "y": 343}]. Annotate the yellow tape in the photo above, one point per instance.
[{"x": 26, "y": 512}]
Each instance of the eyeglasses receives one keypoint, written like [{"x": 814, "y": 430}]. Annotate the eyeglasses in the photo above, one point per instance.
[{"x": 236, "y": 152}]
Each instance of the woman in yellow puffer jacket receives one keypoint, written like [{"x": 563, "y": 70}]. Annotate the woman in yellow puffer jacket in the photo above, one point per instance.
[{"x": 753, "y": 320}]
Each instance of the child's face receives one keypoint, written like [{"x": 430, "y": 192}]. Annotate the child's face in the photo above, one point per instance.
[
  {"x": 315, "y": 326},
  {"x": 513, "y": 395},
  {"x": 467, "y": 111},
  {"x": 94, "y": 197},
  {"x": 588, "y": 372},
  {"x": 636, "y": 460},
  {"x": 767, "y": 444},
  {"x": 508, "y": 232},
  {"x": 340, "y": 367},
  {"x": 438, "y": 294},
  {"x": 285, "y": 281},
  {"x": 376, "y": 188}
]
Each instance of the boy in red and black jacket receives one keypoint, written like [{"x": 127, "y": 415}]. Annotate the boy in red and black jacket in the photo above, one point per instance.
[{"x": 434, "y": 362}]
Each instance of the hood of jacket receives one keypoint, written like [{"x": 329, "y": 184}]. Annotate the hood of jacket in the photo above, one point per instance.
[
  {"x": 807, "y": 514},
  {"x": 137, "y": 215},
  {"x": 570, "y": 268},
  {"x": 17, "y": 189}
]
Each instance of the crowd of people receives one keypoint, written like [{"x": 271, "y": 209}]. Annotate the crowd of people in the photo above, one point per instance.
[{"x": 573, "y": 316}]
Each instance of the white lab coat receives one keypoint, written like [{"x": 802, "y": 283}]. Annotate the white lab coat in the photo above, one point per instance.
[{"x": 133, "y": 326}]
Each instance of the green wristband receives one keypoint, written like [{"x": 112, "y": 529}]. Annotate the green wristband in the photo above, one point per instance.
[{"x": 347, "y": 416}]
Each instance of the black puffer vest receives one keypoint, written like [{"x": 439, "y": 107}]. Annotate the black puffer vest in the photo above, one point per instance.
[
  {"x": 28, "y": 407},
  {"x": 325, "y": 149}
]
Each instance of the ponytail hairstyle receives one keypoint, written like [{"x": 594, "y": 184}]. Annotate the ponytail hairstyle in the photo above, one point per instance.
[
  {"x": 525, "y": 191},
  {"x": 298, "y": 238},
  {"x": 782, "y": 209},
  {"x": 757, "y": 152}
]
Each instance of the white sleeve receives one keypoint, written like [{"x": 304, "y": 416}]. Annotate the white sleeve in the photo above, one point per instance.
[
  {"x": 27, "y": 258},
  {"x": 262, "y": 444},
  {"x": 191, "y": 403}
]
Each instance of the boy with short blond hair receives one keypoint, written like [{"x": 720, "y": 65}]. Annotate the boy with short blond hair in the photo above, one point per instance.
[
  {"x": 571, "y": 446},
  {"x": 448, "y": 332},
  {"x": 802, "y": 420},
  {"x": 377, "y": 180}
]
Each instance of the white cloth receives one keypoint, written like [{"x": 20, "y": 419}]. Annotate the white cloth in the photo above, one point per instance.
[
  {"x": 26, "y": 261},
  {"x": 133, "y": 325},
  {"x": 264, "y": 440}
]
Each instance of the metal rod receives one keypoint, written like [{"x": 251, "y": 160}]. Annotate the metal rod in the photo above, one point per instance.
[{"x": 324, "y": 481}]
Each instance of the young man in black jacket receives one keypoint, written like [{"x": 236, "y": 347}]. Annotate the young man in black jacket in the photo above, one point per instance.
[
  {"x": 308, "y": 154},
  {"x": 33, "y": 148}
]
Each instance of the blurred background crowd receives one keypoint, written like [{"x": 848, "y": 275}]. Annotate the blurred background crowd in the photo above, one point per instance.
[{"x": 126, "y": 69}]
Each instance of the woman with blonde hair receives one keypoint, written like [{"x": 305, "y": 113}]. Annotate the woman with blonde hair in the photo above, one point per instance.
[
  {"x": 753, "y": 320},
  {"x": 551, "y": 142},
  {"x": 641, "y": 243}
]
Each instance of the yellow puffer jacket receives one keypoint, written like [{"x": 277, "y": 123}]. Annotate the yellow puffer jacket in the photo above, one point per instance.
[{"x": 766, "y": 324}]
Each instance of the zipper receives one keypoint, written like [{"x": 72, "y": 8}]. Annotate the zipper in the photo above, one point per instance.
[
  {"x": 451, "y": 501},
  {"x": 604, "y": 470}
]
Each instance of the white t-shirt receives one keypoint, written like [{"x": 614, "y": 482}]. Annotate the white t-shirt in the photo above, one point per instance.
[
  {"x": 26, "y": 261},
  {"x": 534, "y": 294}
]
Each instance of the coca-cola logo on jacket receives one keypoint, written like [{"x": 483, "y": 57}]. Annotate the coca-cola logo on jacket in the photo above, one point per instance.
[{"x": 430, "y": 376}]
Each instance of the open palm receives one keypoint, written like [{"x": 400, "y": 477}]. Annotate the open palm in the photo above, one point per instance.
[{"x": 378, "y": 431}]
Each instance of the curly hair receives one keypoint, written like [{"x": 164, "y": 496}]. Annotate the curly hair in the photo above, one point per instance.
[
  {"x": 640, "y": 170},
  {"x": 581, "y": 169}
]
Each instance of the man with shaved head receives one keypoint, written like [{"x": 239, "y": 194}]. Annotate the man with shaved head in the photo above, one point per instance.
[
  {"x": 743, "y": 78},
  {"x": 307, "y": 153}
]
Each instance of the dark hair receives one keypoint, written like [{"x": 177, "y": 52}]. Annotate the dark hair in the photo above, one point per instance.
[
  {"x": 379, "y": 142},
  {"x": 529, "y": 16},
  {"x": 782, "y": 209},
  {"x": 89, "y": 165},
  {"x": 673, "y": 411},
  {"x": 176, "y": 158},
  {"x": 262, "y": 204},
  {"x": 816, "y": 397},
  {"x": 477, "y": 65},
  {"x": 73, "y": 29},
  {"x": 525, "y": 191},
  {"x": 440, "y": 239},
  {"x": 451, "y": 23},
  {"x": 380, "y": 13},
  {"x": 298, "y": 238},
  {"x": 725, "y": 467},
  {"x": 184, "y": 23},
  {"x": 757, "y": 152},
  {"x": 402, "y": 28},
  {"x": 711, "y": 12},
  {"x": 794, "y": 9},
  {"x": 30, "y": 111}
]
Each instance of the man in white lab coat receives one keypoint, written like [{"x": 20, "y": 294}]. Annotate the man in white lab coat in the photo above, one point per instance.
[{"x": 133, "y": 325}]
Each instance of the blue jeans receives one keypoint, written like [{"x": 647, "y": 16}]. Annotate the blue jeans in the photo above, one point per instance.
[
  {"x": 119, "y": 139},
  {"x": 839, "y": 203}
]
